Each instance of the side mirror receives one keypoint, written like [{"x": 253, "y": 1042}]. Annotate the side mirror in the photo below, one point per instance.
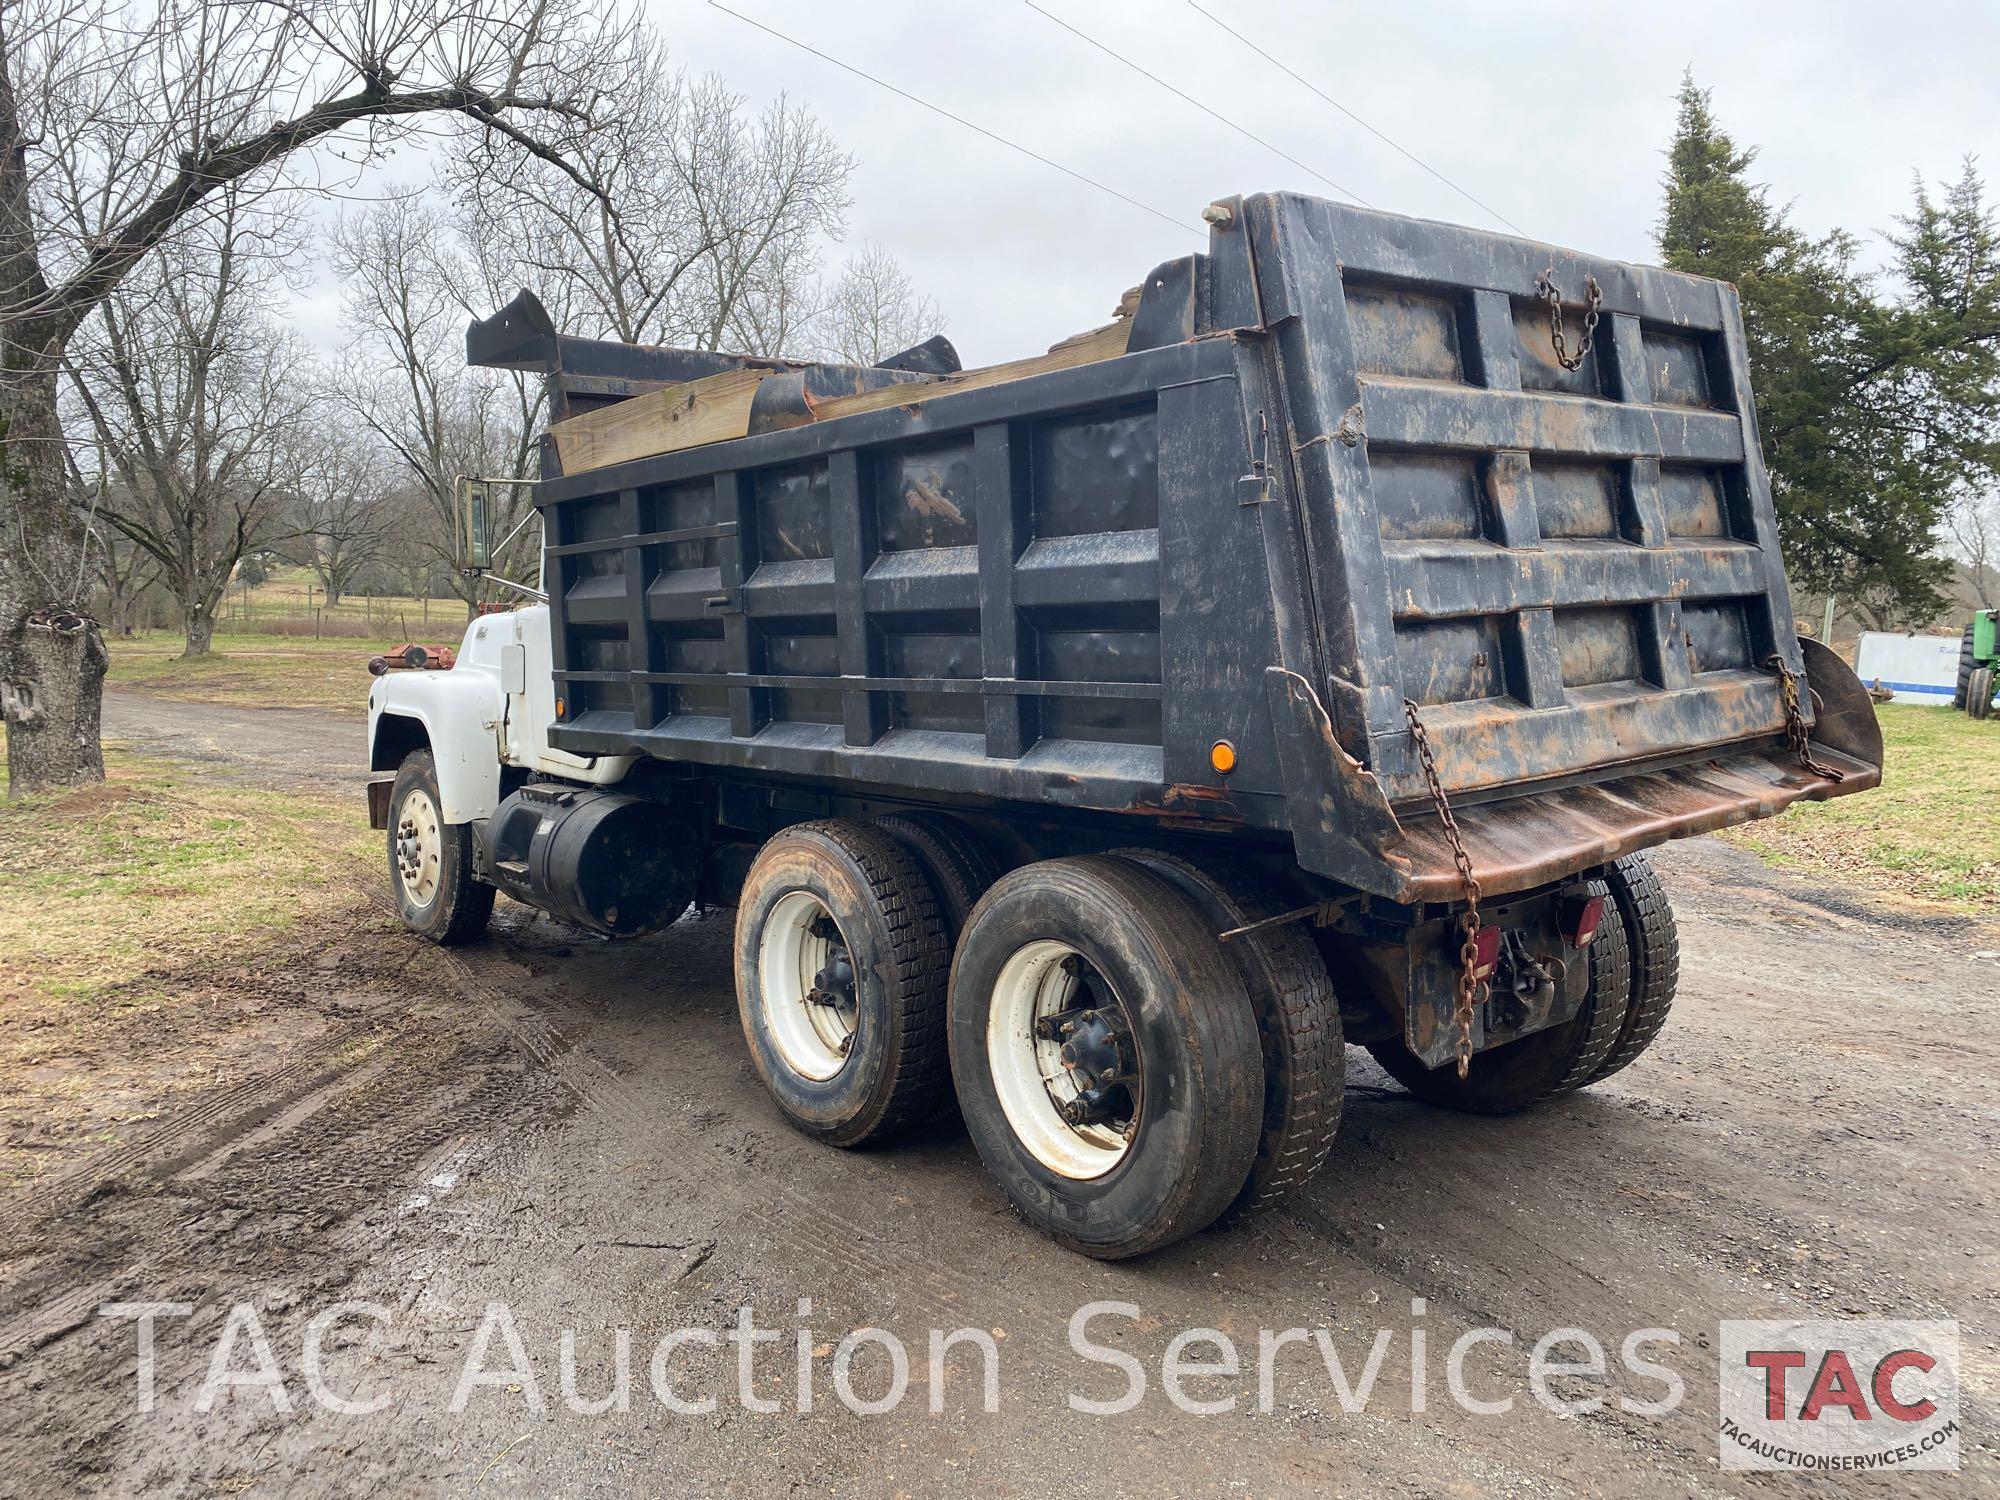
[{"x": 472, "y": 517}]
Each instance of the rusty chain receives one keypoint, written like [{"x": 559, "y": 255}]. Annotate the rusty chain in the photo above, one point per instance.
[
  {"x": 1593, "y": 295},
  {"x": 1471, "y": 988},
  {"x": 1796, "y": 733}
]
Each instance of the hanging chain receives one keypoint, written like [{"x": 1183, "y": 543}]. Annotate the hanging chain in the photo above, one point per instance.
[
  {"x": 1471, "y": 988},
  {"x": 1796, "y": 732},
  {"x": 1593, "y": 297}
]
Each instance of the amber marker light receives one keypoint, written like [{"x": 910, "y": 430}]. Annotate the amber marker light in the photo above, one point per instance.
[{"x": 1222, "y": 755}]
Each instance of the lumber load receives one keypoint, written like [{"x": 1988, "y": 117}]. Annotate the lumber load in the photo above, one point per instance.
[
  {"x": 1107, "y": 342},
  {"x": 719, "y": 407},
  {"x": 708, "y": 410}
]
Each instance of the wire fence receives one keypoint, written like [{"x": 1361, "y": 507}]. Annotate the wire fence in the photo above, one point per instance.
[{"x": 354, "y": 618}]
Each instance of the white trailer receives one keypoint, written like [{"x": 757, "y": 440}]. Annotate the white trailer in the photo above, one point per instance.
[{"x": 1916, "y": 668}]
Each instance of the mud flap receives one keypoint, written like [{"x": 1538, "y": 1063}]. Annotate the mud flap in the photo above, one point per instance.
[{"x": 379, "y": 788}]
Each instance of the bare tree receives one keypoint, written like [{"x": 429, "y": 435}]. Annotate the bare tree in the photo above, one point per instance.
[
  {"x": 127, "y": 572},
  {"x": 152, "y": 107},
  {"x": 194, "y": 395},
  {"x": 346, "y": 508},
  {"x": 874, "y": 311},
  {"x": 408, "y": 292},
  {"x": 687, "y": 221},
  {"x": 1974, "y": 524}
]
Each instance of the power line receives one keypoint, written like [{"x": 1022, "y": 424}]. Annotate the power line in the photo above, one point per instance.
[
  {"x": 1463, "y": 193},
  {"x": 959, "y": 120},
  {"x": 1205, "y": 109}
]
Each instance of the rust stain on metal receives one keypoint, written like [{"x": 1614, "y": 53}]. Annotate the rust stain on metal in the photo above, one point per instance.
[
  {"x": 927, "y": 500},
  {"x": 1524, "y": 842},
  {"x": 1210, "y": 807}
]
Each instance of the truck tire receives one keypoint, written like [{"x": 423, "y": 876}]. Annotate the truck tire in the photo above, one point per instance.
[
  {"x": 1507, "y": 1079},
  {"x": 1298, "y": 1023},
  {"x": 841, "y": 964},
  {"x": 958, "y": 863},
  {"x": 430, "y": 860},
  {"x": 1156, "y": 1021},
  {"x": 1641, "y": 903},
  {"x": 1979, "y": 694},
  {"x": 1962, "y": 693}
]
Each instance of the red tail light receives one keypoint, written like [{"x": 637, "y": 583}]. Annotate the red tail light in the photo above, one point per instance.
[
  {"x": 1580, "y": 918},
  {"x": 1486, "y": 945}
]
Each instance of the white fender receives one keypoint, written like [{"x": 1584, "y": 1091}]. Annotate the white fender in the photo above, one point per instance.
[{"x": 493, "y": 708}]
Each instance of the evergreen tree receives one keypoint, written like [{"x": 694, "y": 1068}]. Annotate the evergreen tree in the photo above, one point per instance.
[{"x": 1875, "y": 413}]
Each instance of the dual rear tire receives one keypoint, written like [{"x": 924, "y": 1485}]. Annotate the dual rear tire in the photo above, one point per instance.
[
  {"x": 1634, "y": 969},
  {"x": 1114, "y": 1063},
  {"x": 1105, "y": 1054},
  {"x": 841, "y": 958},
  {"x": 1126, "y": 1078}
]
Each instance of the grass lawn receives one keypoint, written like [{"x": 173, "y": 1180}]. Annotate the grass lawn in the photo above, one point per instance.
[
  {"x": 1931, "y": 831},
  {"x": 256, "y": 670},
  {"x": 156, "y": 923},
  {"x": 161, "y": 865}
]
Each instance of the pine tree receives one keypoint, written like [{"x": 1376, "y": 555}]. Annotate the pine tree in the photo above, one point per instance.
[{"x": 1874, "y": 413}]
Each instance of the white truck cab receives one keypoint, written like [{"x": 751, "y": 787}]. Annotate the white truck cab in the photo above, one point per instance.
[{"x": 492, "y": 710}]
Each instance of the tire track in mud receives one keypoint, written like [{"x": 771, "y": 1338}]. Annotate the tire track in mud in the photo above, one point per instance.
[
  {"x": 807, "y": 1225},
  {"x": 184, "y": 1135},
  {"x": 289, "y": 1151},
  {"x": 785, "y": 1226}
]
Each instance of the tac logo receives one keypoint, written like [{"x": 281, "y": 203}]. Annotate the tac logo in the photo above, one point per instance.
[{"x": 1840, "y": 1395}]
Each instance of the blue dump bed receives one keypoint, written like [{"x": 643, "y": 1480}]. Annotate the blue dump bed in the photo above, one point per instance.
[{"x": 1331, "y": 466}]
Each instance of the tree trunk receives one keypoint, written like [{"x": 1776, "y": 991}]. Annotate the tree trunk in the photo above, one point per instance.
[
  {"x": 199, "y": 628},
  {"x": 332, "y": 592},
  {"x": 51, "y": 656}
]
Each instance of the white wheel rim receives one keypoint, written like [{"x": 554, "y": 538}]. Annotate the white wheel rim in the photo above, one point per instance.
[
  {"x": 419, "y": 846},
  {"x": 1028, "y": 1071},
  {"x": 813, "y": 1037}
]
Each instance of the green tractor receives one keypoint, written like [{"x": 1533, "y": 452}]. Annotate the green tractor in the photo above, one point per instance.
[{"x": 1979, "y": 665}]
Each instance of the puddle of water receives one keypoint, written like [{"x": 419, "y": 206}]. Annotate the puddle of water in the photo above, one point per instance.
[{"x": 450, "y": 1172}]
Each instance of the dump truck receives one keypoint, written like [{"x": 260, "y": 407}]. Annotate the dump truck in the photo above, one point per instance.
[{"x": 1105, "y": 741}]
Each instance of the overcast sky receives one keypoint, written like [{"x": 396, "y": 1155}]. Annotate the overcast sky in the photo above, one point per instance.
[{"x": 1556, "y": 114}]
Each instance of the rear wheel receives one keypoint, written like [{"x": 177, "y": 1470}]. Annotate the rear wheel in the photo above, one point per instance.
[
  {"x": 430, "y": 860},
  {"x": 841, "y": 963},
  {"x": 960, "y": 867},
  {"x": 1962, "y": 692},
  {"x": 1979, "y": 694},
  {"x": 1510, "y": 1078},
  {"x": 1105, "y": 1054},
  {"x": 1641, "y": 903},
  {"x": 1298, "y": 1023}
]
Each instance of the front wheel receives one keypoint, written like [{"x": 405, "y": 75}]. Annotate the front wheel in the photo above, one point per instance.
[
  {"x": 1106, "y": 1055},
  {"x": 430, "y": 860}
]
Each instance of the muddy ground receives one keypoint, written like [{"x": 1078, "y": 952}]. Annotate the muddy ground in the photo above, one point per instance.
[{"x": 571, "y": 1128}]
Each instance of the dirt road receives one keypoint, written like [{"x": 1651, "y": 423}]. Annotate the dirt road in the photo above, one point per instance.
[
  {"x": 282, "y": 747},
  {"x": 571, "y": 1129}
]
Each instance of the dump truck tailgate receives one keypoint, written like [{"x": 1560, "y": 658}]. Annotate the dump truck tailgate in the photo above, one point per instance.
[{"x": 1562, "y": 568}]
